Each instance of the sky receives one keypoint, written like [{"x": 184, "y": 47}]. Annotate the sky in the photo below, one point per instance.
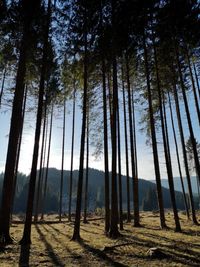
[{"x": 144, "y": 152}]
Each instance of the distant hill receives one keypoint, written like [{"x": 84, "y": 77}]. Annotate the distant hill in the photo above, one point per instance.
[
  {"x": 95, "y": 191},
  {"x": 177, "y": 184}
]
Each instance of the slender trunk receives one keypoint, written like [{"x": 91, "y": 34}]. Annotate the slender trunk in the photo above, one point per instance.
[
  {"x": 86, "y": 173},
  {"x": 40, "y": 170},
  {"x": 114, "y": 233},
  {"x": 62, "y": 163},
  {"x": 176, "y": 218},
  {"x": 47, "y": 167},
  {"x": 134, "y": 134},
  {"x": 126, "y": 152},
  {"x": 2, "y": 85},
  {"x": 184, "y": 154},
  {"x": 106, "y": 167},
  {"x": 105, "y": 125},
  {"x": 178, "y": 158},
  {"x": 166, "y": 147},
  {"x": 197, "y": 80},
  {"x": 76, "y": 234},
  {"x": 26, "y": 239},
  {"x": 119, "y": 168},
  {"x": 18, "y": 150},
  {"x": 154, "y": 141},
  {"x": 193, "y": 85},
  {"x": 135, "y": 179},
  {"x": 193, "y": 140},
  {"x": 72, "y": 154},
  {"x": 15, "y": 127}
]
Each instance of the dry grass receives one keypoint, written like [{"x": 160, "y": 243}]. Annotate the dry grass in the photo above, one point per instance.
[{"x": 51, "y": 245}]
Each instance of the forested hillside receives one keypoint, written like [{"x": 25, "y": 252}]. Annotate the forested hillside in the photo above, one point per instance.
[{"x": 95, "y": 192}]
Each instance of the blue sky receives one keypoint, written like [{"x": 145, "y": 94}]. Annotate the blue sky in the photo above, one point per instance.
[{"x": 145, "y": 157}]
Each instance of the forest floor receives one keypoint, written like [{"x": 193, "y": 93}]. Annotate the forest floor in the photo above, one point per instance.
[{"x": 51, "y": 244}]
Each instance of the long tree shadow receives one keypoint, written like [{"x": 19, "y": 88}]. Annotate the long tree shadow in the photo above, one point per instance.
[
  {"x": 54, "y": 257},
  {"x": 100, "y": 254},
  {"x": 24, "y": 255},
  {"x": 173, "y": 251}
]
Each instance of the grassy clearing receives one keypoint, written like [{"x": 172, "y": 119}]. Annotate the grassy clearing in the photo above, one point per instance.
[{"x": 51, "y": 245}]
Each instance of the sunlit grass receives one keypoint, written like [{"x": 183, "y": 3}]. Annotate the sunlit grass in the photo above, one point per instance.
[{"x": 51, "y": 244}]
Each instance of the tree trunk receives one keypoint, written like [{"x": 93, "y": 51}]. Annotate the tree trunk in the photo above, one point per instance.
[
  {"x": 106, "y": 167},
  {"x": 72, "y": 154},
  {"x": 86, "y": 173},
  {"x": 2, "y": 85},
  {"x": 62, "y": 163},
  {"x": 119, "y": 167},
  {"x": 178, "y": 158},
  {"x": 76, "y": 234},
  {"x": 39, "y": 183},
  {"x": 105, "y": 126},
  {"x": 26, "y": 239},
  {"x": 193, "y": 140},
  {"x": 193, "y": 85},
  {"x": 197, "y": 80},
  {"x": 15, "y": 125},
  {"x": 126, "y": 152},
  {"x": 154, "y": 141},
  {"x": 19, "y": 149},
  {"x": 184, "y": 154},
  {"x": 114, "y": 233},
  {"x": 47, "y": 166},
  {"x": 135, "y": 179},
  {"x": 166, "y": 147}
]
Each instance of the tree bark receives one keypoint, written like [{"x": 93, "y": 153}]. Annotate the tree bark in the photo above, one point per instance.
[
  {"x": 193, "y": 140},
  {"x": 76, "y": 234},
  {"x": 135, "y": 179},
  {"x": 72, "y": 153},
  {"x": 126, "y": 153},
  {"x": 178, "y": 158},
  {"x": 184, "y": 154},
  {"x": 62, "y": 163},
  {"x": 47, "y": 166},
  {"x": 26, "y": 239},
  {"x": 154, "y": 141},
  {"x": 15, "y": 125},
  {"x": 166, "y": 147},
  {"x": 86, "y": 172}
]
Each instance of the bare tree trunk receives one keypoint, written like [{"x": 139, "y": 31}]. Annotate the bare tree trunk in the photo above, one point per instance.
[
  {"x": 166, "y": 147},
  {"x": 134, "y": 134},
  {"x": 72, "y": 154},
  {"x": 193, "y": 85},
  {"x": 2, "y": 85},
  {"x": 197, "y": 80},
  {"x": 178, "y": 158},
  {"x": 18, "y": 150},
  {"x": 76, "y": 234},
  {"x": 193, "y": 140},
  {"x": 119, "y": 167},
  {"x": 86, "y": 173},
  {"x": 42, "y": 153},
  {"x": 126, "y": 152},
  {"x": 26, "y": 239},
  {"x": 154, "y": 141},
  {"x": 114, "y": 233},
  {"x": 105, "y": 125},
  {"x": 184, "y": 154},
  {"x": 135, "y": 179},
  {"x": 62, "y": 163},
  {"x": 15, "y": 125},
  {"x": 106, "y": 167},
  {"x": 47, "y": 166}
]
